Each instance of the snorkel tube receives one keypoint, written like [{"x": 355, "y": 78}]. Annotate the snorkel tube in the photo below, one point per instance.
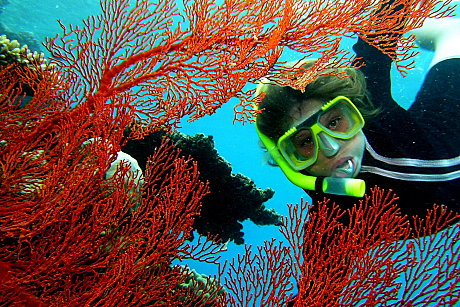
[{"x": 330, "y": 185}]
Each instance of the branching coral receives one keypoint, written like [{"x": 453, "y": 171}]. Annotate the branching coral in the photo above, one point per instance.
[
  {"x": 368, "y": 262},
  {"x": 69, "y": 234},
  {"x": 167, "y": 65},
  {"x": 72, "y": 236}
]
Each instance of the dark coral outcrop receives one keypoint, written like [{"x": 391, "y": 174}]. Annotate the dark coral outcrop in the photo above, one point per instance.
[{"x": 234, "y": 198}]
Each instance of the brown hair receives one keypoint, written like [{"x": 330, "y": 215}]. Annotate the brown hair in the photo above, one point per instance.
[{"x": 278, "y": 102}]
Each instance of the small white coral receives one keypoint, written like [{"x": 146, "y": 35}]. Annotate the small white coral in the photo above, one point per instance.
[{"x": 134, "y": 169}]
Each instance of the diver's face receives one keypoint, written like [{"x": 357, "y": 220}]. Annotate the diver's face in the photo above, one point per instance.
[{"x": 344, "y": 162}]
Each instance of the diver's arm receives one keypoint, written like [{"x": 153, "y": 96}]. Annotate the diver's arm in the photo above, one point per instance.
[
  {"x": 376, "y": 68},
  {"x": 442, "y": 36}
]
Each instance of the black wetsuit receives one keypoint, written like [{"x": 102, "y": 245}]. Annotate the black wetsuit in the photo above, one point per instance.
[{"x": 429, "y": 130}]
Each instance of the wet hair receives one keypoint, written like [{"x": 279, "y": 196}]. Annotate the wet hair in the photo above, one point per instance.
[{"x": 275, "y": 119}]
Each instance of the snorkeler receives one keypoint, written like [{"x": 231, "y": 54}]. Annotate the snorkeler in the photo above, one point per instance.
[{"x": 332, "y": 139}]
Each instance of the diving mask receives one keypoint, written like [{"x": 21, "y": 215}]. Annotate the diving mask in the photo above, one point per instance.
[{"x": 338, "y": 119}]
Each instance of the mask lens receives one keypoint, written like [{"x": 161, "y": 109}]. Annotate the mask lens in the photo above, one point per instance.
[
  {"x": 341, "y": 120},
  {"x": 304, "y": 143},
  {"x": 299, "y": 148}
]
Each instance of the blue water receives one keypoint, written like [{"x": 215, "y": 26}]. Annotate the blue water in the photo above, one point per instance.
[{"x": 237, "y": 143}]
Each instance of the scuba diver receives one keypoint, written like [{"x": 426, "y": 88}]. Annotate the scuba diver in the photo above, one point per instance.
[{"x": 342, "y": 134}]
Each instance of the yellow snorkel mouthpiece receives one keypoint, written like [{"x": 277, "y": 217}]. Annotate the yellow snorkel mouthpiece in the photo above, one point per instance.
[{"x": 331, "y": 185}]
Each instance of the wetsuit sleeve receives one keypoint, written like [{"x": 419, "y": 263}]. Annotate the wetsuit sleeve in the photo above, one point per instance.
[
  {"x": 377, "y": 65},
  {"x": 422, "y": 131},
  {"x": 436, "y": 110},
  {"x": 440, "y": 89},
  {"x": 376, "y": 69}
]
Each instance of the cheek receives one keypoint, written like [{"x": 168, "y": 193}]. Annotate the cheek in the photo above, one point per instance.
[
  {"x": 358, "y": 145},
  {"x": 322, "y": 166}
]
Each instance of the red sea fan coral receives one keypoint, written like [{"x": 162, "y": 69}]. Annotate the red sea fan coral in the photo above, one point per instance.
[
  {"x": 72, "y": 236},
  {"x": 69, "y": 235},
  {"x": 369, "y": 261},
  {"x": 164, "y": 64}
]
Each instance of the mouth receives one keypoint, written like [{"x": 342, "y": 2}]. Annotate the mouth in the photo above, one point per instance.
[{"x": 344, "y": 168}]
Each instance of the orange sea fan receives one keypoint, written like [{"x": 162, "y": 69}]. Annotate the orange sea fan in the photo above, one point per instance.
[
  {"x": 368, "y": 261},
  {"x": 69, "y": 235},
  {"x": 166, "y": 64}
]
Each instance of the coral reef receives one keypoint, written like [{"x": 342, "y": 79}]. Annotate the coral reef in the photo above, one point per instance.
[
  {"x": 367, "y": 262},
  {"x": 69, "y": 234},
  {"x": 63, "y": 219},
  {"x": 14, "y": 57},
  {"x": 12, "y": 52},
  {"x": 233, "y": 198},
  {"x": 201, "y": 286}
]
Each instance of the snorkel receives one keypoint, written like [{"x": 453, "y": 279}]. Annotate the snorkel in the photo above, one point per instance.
[{"x": 331, "y": 185}]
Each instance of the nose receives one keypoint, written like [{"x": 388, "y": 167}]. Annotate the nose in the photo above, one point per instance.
[{"x": 328, "y": 145}]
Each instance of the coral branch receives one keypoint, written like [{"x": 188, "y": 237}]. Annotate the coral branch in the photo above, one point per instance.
[
  {"x": 120, "y": 250},
  {"x": 358, "y": 257},
  {"x": 188, "y": 66}
]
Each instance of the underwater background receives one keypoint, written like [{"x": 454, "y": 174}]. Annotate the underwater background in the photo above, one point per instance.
[{"x": 237, "y": 143}]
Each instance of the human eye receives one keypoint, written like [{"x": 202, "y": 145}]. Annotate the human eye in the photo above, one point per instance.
[
  {"x": 303, "y": 139},
  {"x": 335, "y": 120},
  {"x": 334, "y": 123}
]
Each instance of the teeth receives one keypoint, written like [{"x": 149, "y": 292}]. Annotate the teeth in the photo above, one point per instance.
[
  {"x": 345, "y": 169},
  {"x": 350, "y": 164},
  {"x": 345, "y": 165}
]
